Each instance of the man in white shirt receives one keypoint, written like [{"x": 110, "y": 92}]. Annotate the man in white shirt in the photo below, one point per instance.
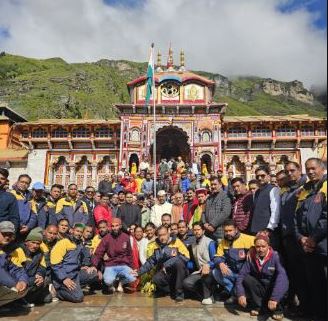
[{"x": 160, "y": 208}]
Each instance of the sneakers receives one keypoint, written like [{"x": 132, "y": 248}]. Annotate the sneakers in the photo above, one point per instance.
[
  {"x": 207, "y": 301},
  {"x": 25, "y": 304},
  {"x": 120, "y": 288}
]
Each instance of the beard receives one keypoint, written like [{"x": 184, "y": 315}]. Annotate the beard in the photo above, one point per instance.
[
  {"x": 229, "y": 237},
  {"x": 116, "y": 233},
  {"x": 103, "y": 233}
]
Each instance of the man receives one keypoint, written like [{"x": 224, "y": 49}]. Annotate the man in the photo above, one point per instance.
[
  {"x": 129, "y": 213},
  {"x": 139, "y": 181},
  {"x": 173, "y": 229},
  {"x": 71, "y": 208},
  {"x": 166, "y": 220},
  {"x": 291, "y": 249},
  {"x": 8, "y": 205},
  {"x": 170, "y": 257},
  {"x": 253, "y": 186},
  {"x": 89, "y": 200},
  {"x": 311, "y": 233},
  {"x": 163, "y": 167},
  {"x": 144, "y": 211},
  {"x": 184, "y": 183},
  {"x": 87, "y": 236},
  {"x": 50, "y": 235},
  {"x": 201, "y": 194},
  {"x": 69, "y": 274},
  {"x": 230, "y": 257},
  {"x": 217, "y": 210},
  {"x": 38, "y": 200},
  {"x": 165, "y": 183},
  {"x": 114, "y": 204},
  {"x": 162, "y": 207},
  {"x": 273, "y": 180},
  {"x": 30, "y": 256},
  {"x": 147, "y": 187},
  {"x": 190, "y": 205},
  {"x": 102, "y": 211},
  {"x": 106, "y": 185},
  {"x": 144, "y": 165},
  {"x": 28, "y": 219},
  {"x": 118, "y": 266},
  {"x": 103, "y": 230},
  {"x": 180, "y": 165},
  {"x": 13, "y": 278},
  {"x": 121, "y": 198},
  {"x": 223, "y": 178},
  {"x": 262, "y": 282},
  {"x": 203, "y": 251},
  {"x": 266, "y": 211},
  {"x": 185, "y": 235},
  {"x": 177, "y": 207},
  {"x": 47, "y": 215},
  {"x": 242, "y": 205},
  {"x": 63, "y": 228}
]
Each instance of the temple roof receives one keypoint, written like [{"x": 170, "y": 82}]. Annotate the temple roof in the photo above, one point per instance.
[
  {"x": 63, "y": 122},
  {"x": 285, "y": 118},
  {"x": 8, "y": 113}
]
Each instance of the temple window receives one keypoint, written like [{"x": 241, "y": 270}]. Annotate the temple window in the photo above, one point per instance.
[
  {"x": 261, "y": 132},
  {"x": 237, "y": 132},
  {"x": 286, "y": 131},
  {"x": 103, "y": 132},
  {"x": 25, "y": 133},
  {"x": 307, "y": 130},
  {"x": 59, "y": 133},
  {"x": 134, "y": 135},
  {"x": 322, "y": 131},
  {"x": 39, "y": 133},
  {"x": 81, "y": 132},
  {"x": 206, "y": 136}
]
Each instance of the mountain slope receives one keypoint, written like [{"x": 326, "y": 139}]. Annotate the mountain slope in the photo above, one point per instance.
[{"x": 52, "y": 88}]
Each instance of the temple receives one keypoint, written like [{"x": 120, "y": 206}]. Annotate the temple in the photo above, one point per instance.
[{"x": 188, "y": 123}]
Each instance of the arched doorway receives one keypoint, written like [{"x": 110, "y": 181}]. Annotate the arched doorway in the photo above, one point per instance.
[
  {"x": 133, "y": 159},
  {"x": 207, "y": 160},
  {"x": 171, "y": 142}
]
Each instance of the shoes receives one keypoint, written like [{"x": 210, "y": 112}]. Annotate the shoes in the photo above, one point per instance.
[
  {"x": 179, "y": 297},
  {"x": 231, "y": 300},
  {"x": 27, "y": 305},
  {"x": 207, "y": 301},
  {"x": 119, "y": 288}
]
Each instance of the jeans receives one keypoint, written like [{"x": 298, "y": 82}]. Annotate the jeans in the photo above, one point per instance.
[
  {"x": 121, "y": 272},
  {"x": 228, "y": 282}
]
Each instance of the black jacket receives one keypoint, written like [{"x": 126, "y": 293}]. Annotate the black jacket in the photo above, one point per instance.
[
  {"x": 9, "y": 208},
  {"x": 129, "y": 214}
]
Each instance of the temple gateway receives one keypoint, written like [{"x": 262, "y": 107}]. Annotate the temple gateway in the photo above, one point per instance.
[{"x": 188, "y": 124}]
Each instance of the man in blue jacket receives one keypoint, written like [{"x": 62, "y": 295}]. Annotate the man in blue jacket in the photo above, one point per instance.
[
  {"x": 13, "y": 278},
  {"x": 8, "y": 204}
]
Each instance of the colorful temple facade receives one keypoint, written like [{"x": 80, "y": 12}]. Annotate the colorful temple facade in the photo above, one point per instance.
[{"x": 188, "y": 124}]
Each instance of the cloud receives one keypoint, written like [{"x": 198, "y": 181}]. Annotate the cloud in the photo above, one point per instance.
[{"x": 234, "y": 37}]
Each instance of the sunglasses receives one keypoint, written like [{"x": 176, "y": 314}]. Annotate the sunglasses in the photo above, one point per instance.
[{"x": 260, "y": 176}]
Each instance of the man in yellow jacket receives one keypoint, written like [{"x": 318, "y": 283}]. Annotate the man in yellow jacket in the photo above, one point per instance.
[{"x": 170, "y": 257}]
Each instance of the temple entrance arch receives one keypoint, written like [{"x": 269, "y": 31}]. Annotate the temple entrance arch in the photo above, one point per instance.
[
  {"x": 207, "y": 160},
  {"x": 133, "y": 159},
  {"x": 171, "y": 141}
]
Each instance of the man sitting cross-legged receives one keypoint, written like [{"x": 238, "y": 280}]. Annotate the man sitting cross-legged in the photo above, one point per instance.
[
  {"x": 117, "y": 248},
  {"x": 70, "y": 266},
  {"x": 170, "y": 258}
]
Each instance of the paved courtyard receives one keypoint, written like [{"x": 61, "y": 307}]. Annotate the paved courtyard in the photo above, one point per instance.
[{"x": 134, "y": 307}]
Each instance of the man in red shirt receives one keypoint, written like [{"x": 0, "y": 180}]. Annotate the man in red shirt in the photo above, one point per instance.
[{"x": 102, "y": 211}]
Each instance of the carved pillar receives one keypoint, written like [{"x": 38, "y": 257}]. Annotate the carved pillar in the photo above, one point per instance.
[
  {"x": 272, "y": 167},
  {"x": 51, "y": 174},
  {"x": 94, "y": 167},
  {"x": 71, "y": 172}
]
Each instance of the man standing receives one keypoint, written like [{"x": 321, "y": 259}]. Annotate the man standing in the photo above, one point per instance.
[
  {"x": 163, "y": 167},
  {"x": 116, "y": 245},
  {"x": 217, "y": 210},
  {"x": 170, "y": 258},
  {"x": 103, "y": 211},
  {"x": 201, "y": 195},
  {"x": 177, "y": 208},
  {"x": 266, "y": 212},
  {"x": 242, "y": 205},
  {"x": 162, "y": 207},
  {"x": 311, "y": 233},
  {"x": 89, "y": 200},
  {"x": 129, "y": 213},
  {"x": 189, "y": 206},
  {"x": 106, "y": 185},
  {"x": 8, "y": 204},
  {"x": 184, "y": 183},
  {"x": 147, "y": 187},
  {"x": 71, "y": 208}
]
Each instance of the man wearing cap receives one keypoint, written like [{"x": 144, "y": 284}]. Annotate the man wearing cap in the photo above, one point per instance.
[
  {"x": 13, "y": 278},
  {"x": 70, "y": 266},
  {"x": 72, "y": 208},
  {"x": 47, "y": 215},
  {"x": 38, "y": 201},
  {"x": 30, "y": 256},
  {"x": 162, "y": 207},
  {"x": 8, "y": 204},
  {"x": 28, "y": 219},
  {"x": 117, "y": 247}
]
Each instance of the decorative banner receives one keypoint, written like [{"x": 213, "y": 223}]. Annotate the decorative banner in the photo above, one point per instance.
[{"x": 194, "y": 93}]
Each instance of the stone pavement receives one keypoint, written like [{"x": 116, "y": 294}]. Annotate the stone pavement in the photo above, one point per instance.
[{"x": 129, "y": 307}]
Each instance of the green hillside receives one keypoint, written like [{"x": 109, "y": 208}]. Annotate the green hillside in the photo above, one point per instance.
[{"x": 52, "y": 88}]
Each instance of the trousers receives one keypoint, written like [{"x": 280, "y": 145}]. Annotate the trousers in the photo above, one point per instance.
[
  {"x": 120, "y": 272},
  {"x": 196, "y": 284}
]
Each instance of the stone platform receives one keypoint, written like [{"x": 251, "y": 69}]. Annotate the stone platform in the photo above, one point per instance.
[{"x": 129, "y": 307}]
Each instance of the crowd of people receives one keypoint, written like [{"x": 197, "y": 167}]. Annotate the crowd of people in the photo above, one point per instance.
[{"x": 261, "y": 244}]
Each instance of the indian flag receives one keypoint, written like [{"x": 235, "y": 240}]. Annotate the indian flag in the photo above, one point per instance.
[{"x": 150, "y": 75}]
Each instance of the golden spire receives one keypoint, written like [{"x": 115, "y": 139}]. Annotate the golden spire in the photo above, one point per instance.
[
  {"x": 182, "y": 61},
  {"x": 159, "y": 62},
  {"x": 170, "y": 59}
]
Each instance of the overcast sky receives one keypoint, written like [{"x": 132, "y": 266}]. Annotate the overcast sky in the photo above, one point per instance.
[{"x": 281, "y": 39}]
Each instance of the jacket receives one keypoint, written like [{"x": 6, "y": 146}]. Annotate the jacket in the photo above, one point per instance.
[
  {"x": 184, "y": 185},
  {"x": 147, "y": 187},
  {"x": 271, "y": 272},
  {"x": 234, "y": 253},
  {"x": 103, "y": 213},
  {"x": 10, "y": 272},
  {"x": 47, "y": 214},
  {"x": 189, "y": 209},
  {"x": 26, "y": 215},
  {"x": 105, "y": 187},
  {"x": 129, "y": 214},
  {"x": 165, "y": 255},
  {"x": 203, "y": 251},
  {"x": 217, "y": 210},
  {"x": 241, "y": 211},
  {"x": 73, "y": 211},
  {"x": 9, "y": 209},
  {"x": 311, "y": 214},
  {"x": 117, "y": 248}
]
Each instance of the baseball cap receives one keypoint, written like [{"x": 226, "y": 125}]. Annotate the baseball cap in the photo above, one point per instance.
[
  {"x": 7, "y": 227},
  {"x": 38, "y": 186}
]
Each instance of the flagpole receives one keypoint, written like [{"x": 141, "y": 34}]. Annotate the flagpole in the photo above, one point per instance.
[{"x": 154, "y": 120}]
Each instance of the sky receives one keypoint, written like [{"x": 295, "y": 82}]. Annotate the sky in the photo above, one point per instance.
[{"x": 279, "y": 39}]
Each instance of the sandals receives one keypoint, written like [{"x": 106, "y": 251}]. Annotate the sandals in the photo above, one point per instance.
[{"x": 277, "y": 316}]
